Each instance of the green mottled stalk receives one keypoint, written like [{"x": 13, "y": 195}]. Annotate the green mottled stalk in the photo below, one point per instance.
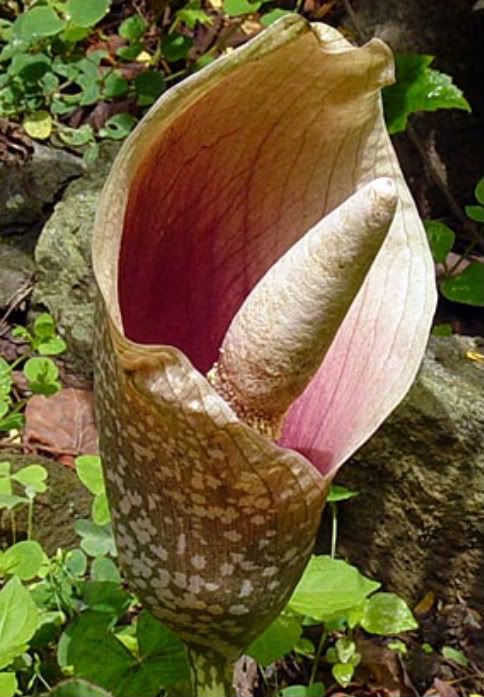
[{"x": 212, "y": 674}]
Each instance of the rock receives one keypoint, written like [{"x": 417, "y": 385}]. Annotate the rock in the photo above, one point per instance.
[
  {"x": 16, "y": 270},
  {"x": 28, "y": 187},
  {"x": 55, "y": 511},
  {"x": 418, "y": 523},
  {"x": 64, "y": 281}
]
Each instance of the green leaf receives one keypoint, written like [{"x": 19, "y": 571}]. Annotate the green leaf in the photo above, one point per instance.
[
  {"x": 398, "y": 646},
  {"x": 106, "y": 597},
  {"x": 51, "y": 347},
  {"x": 329, "y": 587},
  {"x": 32, "y": 477},
  {"x": 42, "y": 374},
  {"x": 10, "y": 501},
  {"x": 343, "y": 673},
  {"x": 76, "y": 562},
  {"x": 44, "y": 326},
  {"x": 317, "y": 689},
  {"x": 73, "y": 34},
  {"x": 132, "y": 28},
  {"x": 345, "y": 649},
  {"x": 19, "y": 618},
  {"x": 129, "y": 53},
  {"x": 153, "y": 637},
  {"x": 5, "y": 484},
  {"x": 277, "y": 640},
  {"x": 6, "y": 381},
  {"x": 30, "y": 68},
  {"x": 38, "y": 125},
  {"x": 273, "y": 15},
  {"x": 12, "y": 422},
  {"x": 149, "y": 85},
  {"x": 89, "y": 470},
  {"x": 100, "y": 512},
  {"x": 175, "y": 47},
  {"x": 78, "y": 688},
  {"x": 386, "y": 613},
  {"x": 233, "y": 8},
  {"x": 87, "y": 13},
  {"x": 455, "y": 656},
  {"x": 444, "y": 329},
  {"x": 37, "y": 23},
  {"x": 76, "y": 137},
  {"x": 8, "y": 684},
  {"x": 115, "y": 85},
  {"x": 23, "y": 559},
  {"x": 97, "y": 540},
  {"x": 475, "y": 213},
  {"x": 418, "y": 88},
  {"x": 118, "y": 126},
  {"x": 89, "y": 638},
  {"x": 441, "y": 239},
  {"x": 192, "y": 14},
  {"x": 479, "y": 191},
  {"x": 467, "y": 287},
  {"x": 340, "y": 493},
  {"x": 104, "y": 569}
]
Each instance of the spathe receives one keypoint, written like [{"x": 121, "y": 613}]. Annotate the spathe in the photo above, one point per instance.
[{"x": 214, "y": 522}]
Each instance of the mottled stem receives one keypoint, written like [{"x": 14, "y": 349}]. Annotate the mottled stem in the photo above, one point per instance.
[{"x": 212, "y": 674}]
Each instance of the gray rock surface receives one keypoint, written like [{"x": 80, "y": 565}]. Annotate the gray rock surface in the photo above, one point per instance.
[
  {"x": 26, "y": 188},
  {"x": 55, "y": 511},
  {"x": 64, "y": 282},
  {"x": 16, "y": 270},
  {"x": 418, "y": 524}
]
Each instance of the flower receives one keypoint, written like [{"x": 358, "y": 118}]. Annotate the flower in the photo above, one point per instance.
[{"x": 201, "y": 227}]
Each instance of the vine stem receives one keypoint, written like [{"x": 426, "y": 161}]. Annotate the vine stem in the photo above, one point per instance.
[
  {"x": 317, "y": 657},
  {"x": 334, "y": 527}
]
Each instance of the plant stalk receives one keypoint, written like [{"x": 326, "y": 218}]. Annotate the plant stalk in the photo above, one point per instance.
[{"x": 212, "y": 674}]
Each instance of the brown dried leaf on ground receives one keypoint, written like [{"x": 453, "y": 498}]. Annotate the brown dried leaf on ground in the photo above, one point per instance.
[
  {"x": 382, "y": 666},
  {"x": 441, "y": 689},
  {"x": 62, "y": 425}
]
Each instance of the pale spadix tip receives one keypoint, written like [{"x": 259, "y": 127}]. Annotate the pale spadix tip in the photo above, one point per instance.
[{"x": 280, "y": 335}]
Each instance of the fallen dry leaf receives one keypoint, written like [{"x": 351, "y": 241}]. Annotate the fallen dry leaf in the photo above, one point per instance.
[
  {"x": 425, "y": 605},
  {"x": 441, "y": 689},
  {"x": 62, "y": 425},
  {"x": 380, "y": 666}
]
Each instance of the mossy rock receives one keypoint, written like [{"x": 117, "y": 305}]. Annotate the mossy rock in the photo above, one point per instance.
[{"x": 55, "y": 511}]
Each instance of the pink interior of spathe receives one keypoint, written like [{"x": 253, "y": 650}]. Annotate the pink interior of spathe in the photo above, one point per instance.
[
  {"x": 223, "y": 193},
  {"x": 219, "y": 198}
]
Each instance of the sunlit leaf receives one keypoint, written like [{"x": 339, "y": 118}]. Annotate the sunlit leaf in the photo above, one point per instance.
[
  {"x": 232, "y": 8},
  {"x": 418, "y": 88},
  {"x": 329, "y": 586},
  {"x": 38, "y": 125},
  {"x": 387, "y": 613},
  {"x": 37, "y": 23},
  {"x": 19, "y": 619},
  {"x": 277, "y": 640},
  {"x": 87, "y": 13}
]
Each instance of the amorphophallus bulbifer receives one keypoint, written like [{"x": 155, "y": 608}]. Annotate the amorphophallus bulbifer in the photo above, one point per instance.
[{"x": 266, "y": 293}]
